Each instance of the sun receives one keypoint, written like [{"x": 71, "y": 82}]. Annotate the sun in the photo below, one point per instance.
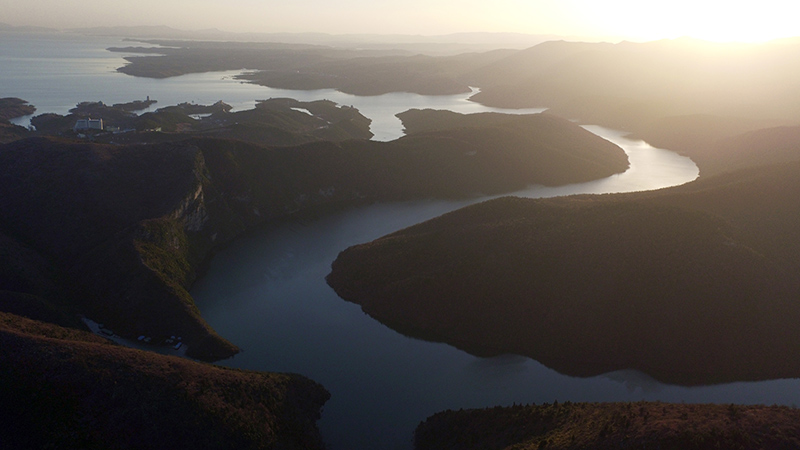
[{"x": 718, "y": 21}]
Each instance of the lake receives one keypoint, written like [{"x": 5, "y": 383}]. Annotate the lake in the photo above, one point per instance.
[{"x": 267, "y": 294}]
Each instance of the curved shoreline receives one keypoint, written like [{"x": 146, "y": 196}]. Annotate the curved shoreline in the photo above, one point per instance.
[{"x": 275, "y": 276}]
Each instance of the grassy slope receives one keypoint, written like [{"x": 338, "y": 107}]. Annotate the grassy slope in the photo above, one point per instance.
[
  {"x": 64, "y": 388},
  {"x": 612, "y": 426}
]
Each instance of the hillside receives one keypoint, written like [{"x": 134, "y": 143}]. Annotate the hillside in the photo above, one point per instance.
[
  {"x": 120, "y": 233},
  {"x": 10, "y": 133},
  {"x": 628, "y": 85},
  {"x": 277, "y": 122},
  {"x": 720, "y": 91},
  {"x": 11, "y": 108},
  {"x": 692, "y": 285},
  {"x": 287, "y": 66},
  {"x": 603, "y": 426},
  {"x": 515, "y": 150},
  {"x": 61, "y": 388},
  {"x": 771, "y": 145},
  {"x": 682, "y": 94}
]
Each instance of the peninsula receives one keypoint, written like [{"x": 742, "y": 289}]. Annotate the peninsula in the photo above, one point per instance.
[
  {"x": 11, "y": 108},
  {"x": 692, "y": 285}
]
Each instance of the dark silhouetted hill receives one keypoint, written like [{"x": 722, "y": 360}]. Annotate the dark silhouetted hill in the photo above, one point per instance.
[
  {"x": 119, "y": 233},
  {"x": 62, "y": 388},
  {"x": 611, "y": 426},
  {"x": 693, "y": 284},
  {"x": 11, "y": 108},
  {"x": 629, "y": 85},
  {"x": 521, "y": 149},
  {"x": 287, "y": 66},
  {"x": 10, "y": 133}
]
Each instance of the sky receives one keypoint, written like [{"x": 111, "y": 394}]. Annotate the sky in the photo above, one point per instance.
[{"x": 601, "y": 20}]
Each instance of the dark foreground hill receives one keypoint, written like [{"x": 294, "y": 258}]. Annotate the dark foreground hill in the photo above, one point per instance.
[
  {"x": 62, "y": 388},
  {"x": 601, "y": 426},
  {"x": 694, "y": 284},
  {"x": 119, "y": 233}
]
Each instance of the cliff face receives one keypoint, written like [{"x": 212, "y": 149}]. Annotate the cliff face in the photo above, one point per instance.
[{"x": 62, "y": 388}]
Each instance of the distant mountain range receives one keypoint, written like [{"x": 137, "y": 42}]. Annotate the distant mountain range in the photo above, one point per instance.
[{"x": 437, "y": 44}]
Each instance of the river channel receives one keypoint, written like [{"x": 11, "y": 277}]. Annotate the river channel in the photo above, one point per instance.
[{"x": 267, "y": 294}]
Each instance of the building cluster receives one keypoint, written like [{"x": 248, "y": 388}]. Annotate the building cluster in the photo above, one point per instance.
[{"x": 88, "y": 124}]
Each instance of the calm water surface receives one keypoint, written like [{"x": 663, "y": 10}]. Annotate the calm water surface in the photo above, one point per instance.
[
  {"x": 55, "y": 72},
  {"x": 267, "y": 294}
]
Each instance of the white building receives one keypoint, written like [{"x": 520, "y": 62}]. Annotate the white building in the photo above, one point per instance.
[{"x": 88, "y": 124}]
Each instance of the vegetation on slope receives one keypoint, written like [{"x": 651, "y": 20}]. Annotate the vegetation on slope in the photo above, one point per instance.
[
  {"x": 277, "y": 122},
  {"x": 628, "y": 85},
  {"x": 62, "y": 388},
  {"x": 611, "y": 426},
  {"x": 720, "y": 91},
  {"x": 120, "y": 232},
  {"x": 694, "y": 284},
  {"x": 11, "y": 108},
  {"x": 358, "y": 72},
  {"x": 10, "y": 132},
  {"x": 540, "y": 148},
  {"x": 81, "y": 209}
]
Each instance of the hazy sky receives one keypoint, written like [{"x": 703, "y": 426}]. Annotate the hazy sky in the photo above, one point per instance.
[{"x": 629, "y": 19}]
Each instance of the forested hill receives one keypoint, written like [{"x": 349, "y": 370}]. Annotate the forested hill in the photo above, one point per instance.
[
  {"x": 63, "y": 388},
  {"x": 609, "y": 426},
  {"x": 682, "y": 94},
  {"x": 120, "y": 233},
  {"x": 693, "y": 285}
]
